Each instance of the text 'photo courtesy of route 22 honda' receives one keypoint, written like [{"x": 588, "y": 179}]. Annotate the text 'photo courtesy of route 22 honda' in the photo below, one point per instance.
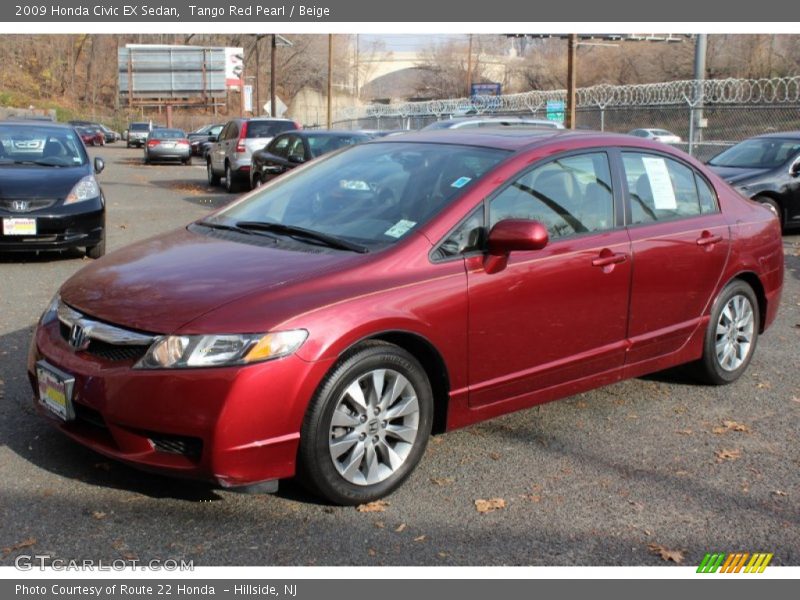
[
  {"x": 230, "y": 154},
  {"x": 326, "y": 324}
]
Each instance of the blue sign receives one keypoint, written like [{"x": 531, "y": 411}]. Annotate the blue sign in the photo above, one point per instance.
[
  {"x": 486, "y": 89},
  {"x": 555, "y": 110}
]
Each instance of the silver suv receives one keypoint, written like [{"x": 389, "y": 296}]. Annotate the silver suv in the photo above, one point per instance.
[
  {"x": 137, "y": 133},
  {"x": 229, "y": 156}
]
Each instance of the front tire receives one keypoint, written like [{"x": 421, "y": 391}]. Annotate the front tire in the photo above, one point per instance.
[
  {"x": 97, "y": 250},
  {"x": 367, "y": 426},
  {"x": 731, "y": 336},
  {"x": 213, "y": 178}
]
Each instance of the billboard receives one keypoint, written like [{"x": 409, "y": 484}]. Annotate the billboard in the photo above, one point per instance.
[{"x": 234, "y": 67}]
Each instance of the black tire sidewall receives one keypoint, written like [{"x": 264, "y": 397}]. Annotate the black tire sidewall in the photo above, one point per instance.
[
  {"x": 315, "y": 466},
  {"x": 774, "y": 203},
  {"x": 712, "y": 369}
]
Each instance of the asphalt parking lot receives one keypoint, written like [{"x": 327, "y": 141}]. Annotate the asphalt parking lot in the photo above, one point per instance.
[{"x": 646, "y": 471}]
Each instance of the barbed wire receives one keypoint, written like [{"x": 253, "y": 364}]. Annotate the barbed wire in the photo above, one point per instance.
[{"x": 778, "y": 90}]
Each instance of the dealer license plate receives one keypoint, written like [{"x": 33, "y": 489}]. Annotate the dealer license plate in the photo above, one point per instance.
[
  {"x": 55, "y": 390},
  {"x": 19, "y": 226}
]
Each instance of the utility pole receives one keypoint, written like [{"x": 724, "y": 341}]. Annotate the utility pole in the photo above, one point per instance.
[
  {"x": 330, "y": 79},
  {"x": 696, "y": 122},
  {"x": 572, "y": 51},
  {"x": 355, "y": 86},
  {"x": 273, "y": 110},
  {"x": 469, "y": 68}
]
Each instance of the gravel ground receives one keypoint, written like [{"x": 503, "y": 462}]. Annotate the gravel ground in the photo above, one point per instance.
[{"x": 610, "y": 477}]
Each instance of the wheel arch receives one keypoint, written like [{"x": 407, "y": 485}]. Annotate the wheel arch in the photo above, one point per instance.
[
  {"x": 752, "y": 279},
  {"x": 432, "y": 362}
]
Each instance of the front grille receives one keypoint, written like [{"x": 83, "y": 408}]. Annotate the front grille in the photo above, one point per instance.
[
  {"x": 190, "y": 447},
  {"x": 109, "y": 352},
  {"x": 26, "y": 205}
]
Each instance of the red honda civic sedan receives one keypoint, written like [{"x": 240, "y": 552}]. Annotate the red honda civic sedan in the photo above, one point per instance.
[{"x": 323, "y": 325}]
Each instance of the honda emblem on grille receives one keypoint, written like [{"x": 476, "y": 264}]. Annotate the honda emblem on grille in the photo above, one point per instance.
[
  {"x": 19, "y": 205},
  {"x": 78, "y": 337}
]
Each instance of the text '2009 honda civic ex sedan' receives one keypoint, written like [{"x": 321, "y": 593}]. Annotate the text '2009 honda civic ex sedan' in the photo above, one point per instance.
[{"x": 324, "y": 324}]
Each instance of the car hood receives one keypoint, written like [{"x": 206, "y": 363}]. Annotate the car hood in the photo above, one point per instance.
[
  {"x": 165, "y": 282},
  {"x": 735, "y": 175},
  {"x": 39, "y": 182}
]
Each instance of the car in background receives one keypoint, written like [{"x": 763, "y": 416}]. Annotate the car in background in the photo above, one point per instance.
[
  {"x": 202, "y": 139},
  {"x": 229, "y": 156},
  {"x": 288, "y": 150},
  {"x": 325, "y": 324},
  {"x": 137, "y": 133},
  {"x": 49, "y": 197},
  {"x": 91, "y": 136},
  {"x": 766, "y": 168},
  {"x": 111, "y": 135},
  {"x": 493, "y": 121},
  {"x": 167, "y": 145},
  {"x": 659, "y": 135}
]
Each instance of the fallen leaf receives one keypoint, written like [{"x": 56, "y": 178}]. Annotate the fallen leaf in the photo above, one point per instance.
[
  {"x": 380, "y": 524},
  {"x": 795, "y": 399},
  {"x": 377, "y": 506},
  {"x": 123, "y": 226},
  {"x": 442, "y": 480},
  {"x": 779, "y": 493},
  {"x": 400, "y": 528},
  {"x": 763, "y": 385},
  {"x": 533, "y": 497},
  {"x": 675, "y": 556},
  {"x": 686, "y": 432},
  {"x": 371, "y": 552},
  {"x": 19, "y": 546},
  {"x": 99, "y": 515},
  {"x": 484, "y": 506},
  {"x": 420, "y": 538},
  {"x": 443, "y": 555},
  {"x": 728, "y": 455},
  {"x": 495, "y": 455}
]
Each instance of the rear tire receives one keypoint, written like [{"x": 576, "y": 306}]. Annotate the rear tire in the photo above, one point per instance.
[
  {"x": 213, "y": 178},
  {"x": 367, "y": 426},
  {"x": 231, "y": 184},
  {"x": 732, "y": 335}
]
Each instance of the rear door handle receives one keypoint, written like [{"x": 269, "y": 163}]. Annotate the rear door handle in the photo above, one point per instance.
[
  {"x": 706, "y": 239},
  {"x": 609, "y": 259}
]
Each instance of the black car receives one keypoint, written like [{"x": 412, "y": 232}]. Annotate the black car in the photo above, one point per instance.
[
  {"x": 288, "y": 150},
  {"x": 49, "y": 197},
  {"x": 202, "y": 138},
  {"x": 766, "y": 168}
]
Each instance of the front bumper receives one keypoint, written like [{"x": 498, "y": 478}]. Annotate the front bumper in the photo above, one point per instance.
[
  {"x": 233, "y": 425},
  {"x": 81, "y": 225}
]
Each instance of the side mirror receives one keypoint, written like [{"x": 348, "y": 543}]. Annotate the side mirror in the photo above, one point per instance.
[
  {"x": 99, "y": 165},
  {"x": 213, "y": 138},
  {"x": 513, "y": 235},
  {"x": 296, "y": 159}
]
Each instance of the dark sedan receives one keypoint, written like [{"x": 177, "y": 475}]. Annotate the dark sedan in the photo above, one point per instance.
[
  {"x": 167, "y": 144},
  {"x": 294, "y": 148},
  {"x": 201, "y": 139},
  {"x": 766, "y": 168},
  {"x": 49, "y": 197}
]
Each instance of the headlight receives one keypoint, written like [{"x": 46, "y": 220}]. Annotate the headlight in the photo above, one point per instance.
[
  {"x": 191, "y": 351},
  {"x": 85, "y": 189},
  {"x": 51, "y": 312}
]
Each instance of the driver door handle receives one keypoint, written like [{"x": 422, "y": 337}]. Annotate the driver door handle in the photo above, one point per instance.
[{"x": 606, "y": 260}]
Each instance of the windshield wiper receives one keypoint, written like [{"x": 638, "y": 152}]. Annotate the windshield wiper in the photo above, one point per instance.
[{"x": 302, "y": 232}]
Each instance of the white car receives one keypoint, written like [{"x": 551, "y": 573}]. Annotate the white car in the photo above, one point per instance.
[{"x": 659, "y": 135}]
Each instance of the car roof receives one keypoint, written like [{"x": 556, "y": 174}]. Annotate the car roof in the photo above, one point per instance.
[
  {"x": 36, "y": 122},
  {"x": 324, "y": 133},
  {"x": 791, "y": 135},
  {"x": 504, "y": 138}
]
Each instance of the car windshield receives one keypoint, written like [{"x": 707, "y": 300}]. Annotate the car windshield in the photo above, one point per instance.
[
  {"x": 167, "y": 134},
  {"x": 758, "y": 153},
  {"x": 322, "y": 144},
  {"x": 43, "y": 146},
  {"x": 371, "y": 194},
  {"x": 139, "y": 127},
  {"x": 267, "y": 129}
]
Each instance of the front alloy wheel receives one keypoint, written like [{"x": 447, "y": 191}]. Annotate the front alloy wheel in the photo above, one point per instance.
[{"x": 367, "y": 426}]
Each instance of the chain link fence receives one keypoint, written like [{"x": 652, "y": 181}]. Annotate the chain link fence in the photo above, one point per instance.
[{"x": 708, "y": 115}]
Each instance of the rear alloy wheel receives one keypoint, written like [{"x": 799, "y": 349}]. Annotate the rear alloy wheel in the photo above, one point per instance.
[
  {"x": 368, "y": 425},
  {"x": 732, "y": 334},
  {"x": 773, "y": 205},
  {"x": 231, "y": 185},
  {"x": 213, "y": 179}
]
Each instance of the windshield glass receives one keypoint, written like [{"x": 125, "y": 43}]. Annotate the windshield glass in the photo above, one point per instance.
[
  {"x": 759, "y": 153},
  {"x": 48, "y": 146},
  {"x": 267, "y": 129},
  {"x": 139, "y": 127},
  {"x": 322, "y": 144},
  {"x": 371, "y": 194}
]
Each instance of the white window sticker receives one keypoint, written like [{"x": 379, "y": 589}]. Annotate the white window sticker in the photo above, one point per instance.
[
  {"x": 400, "y": 228},
  {"x": 660, "y": 183}
]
